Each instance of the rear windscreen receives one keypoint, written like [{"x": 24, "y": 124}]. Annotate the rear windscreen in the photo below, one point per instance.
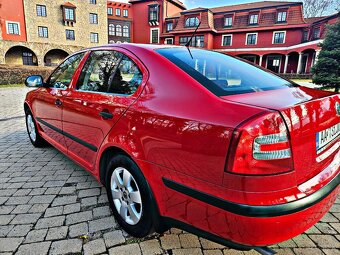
[{"x": 221, "y": 74}]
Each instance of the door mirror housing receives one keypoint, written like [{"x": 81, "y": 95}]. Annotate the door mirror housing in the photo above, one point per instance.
[{"x": 34, "y": 81}]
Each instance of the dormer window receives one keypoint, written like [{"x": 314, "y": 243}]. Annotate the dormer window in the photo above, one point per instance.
[
  {"x": 169, "y": 26},
  {"x": 69, "y": 13},
  {"x": 153, "y": 13},
  {"x": 281, "y": 16},
  {"x": 316, "y": 33},
  {"x": 228, "y": 21},
  {"x": 192, "y": 22},
  {"x": 253, "y": 19}
]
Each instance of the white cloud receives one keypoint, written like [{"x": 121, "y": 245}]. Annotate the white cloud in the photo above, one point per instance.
[{"x": 123, "y": 1}]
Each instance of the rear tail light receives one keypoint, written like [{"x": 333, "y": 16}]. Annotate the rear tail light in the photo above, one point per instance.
[{"x": 261, "y": 146}]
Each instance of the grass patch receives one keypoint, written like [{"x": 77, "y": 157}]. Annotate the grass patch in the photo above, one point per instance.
[
  {"x": 302, "y": 80},
  {"x": 12, "y": 85}
]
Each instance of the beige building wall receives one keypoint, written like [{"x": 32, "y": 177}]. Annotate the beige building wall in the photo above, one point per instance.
[{"x": 57, "y": 28}]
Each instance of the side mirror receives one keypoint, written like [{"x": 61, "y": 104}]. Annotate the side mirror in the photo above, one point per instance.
[{"x": 34, "y": 81}]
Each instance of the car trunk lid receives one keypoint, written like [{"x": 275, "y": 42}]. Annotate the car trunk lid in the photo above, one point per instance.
[{"x": 313, "y": 121}]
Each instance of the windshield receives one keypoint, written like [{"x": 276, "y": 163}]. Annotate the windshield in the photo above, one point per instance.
[{"x": 221, "y": 74}]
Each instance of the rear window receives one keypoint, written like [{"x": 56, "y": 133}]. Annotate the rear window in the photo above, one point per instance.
[{"x": 221, "y": 74}]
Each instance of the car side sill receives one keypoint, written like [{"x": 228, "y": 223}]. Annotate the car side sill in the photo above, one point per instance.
[
  {"x": 87, "y": 145},
  {"x": 254, "y": 210}
]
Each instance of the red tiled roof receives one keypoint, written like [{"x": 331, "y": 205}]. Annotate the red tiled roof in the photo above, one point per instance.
[
  {"x": 254, "y": 5},
  {"x": 68, "y": 4},
  {"x": 179, "y": 3},
  {"x": 314, "y": 19}
]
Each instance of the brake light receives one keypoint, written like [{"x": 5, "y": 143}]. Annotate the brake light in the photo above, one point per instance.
[{"x": 261, "y": 146}]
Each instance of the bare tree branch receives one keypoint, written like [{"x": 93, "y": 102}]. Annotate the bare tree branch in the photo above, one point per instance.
[{"x": 317, "y": 8}]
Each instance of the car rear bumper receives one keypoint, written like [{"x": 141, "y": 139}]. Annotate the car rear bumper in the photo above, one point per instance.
[{"x": 251, "y": 225}]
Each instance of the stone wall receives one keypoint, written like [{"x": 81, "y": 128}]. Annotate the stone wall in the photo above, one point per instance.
[{"x": 18, "y": 74}]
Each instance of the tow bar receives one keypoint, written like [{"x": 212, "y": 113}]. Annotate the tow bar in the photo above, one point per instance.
[{"x": 265, "y": 251}]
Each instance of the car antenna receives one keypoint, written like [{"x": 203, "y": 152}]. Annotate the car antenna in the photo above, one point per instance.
[{"x": 192, "y": 36}]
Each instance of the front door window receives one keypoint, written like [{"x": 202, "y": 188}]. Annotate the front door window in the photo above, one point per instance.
[{"x": 274, "y": 64}]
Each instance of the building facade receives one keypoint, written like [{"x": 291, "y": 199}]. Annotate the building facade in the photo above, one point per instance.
[
  {"x": 272, "y": 34},
  {"x": 50, "y": 30}
]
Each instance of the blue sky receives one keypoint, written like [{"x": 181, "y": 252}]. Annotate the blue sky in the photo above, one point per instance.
[{"x": 213, "y": 3}]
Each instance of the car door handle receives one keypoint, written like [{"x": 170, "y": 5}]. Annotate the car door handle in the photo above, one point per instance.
[
  {"x": 58, "y": 102},
  {"x": 106, "y": 115}
]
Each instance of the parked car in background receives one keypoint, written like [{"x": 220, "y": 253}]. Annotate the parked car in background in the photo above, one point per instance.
[{"x": 193, "y": 139}]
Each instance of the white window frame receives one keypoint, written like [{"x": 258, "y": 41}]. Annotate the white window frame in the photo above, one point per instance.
[
  {"x": 277, "y": 18},
  {"x": 118, "y": 12},
  {"x": 225, "y": 19},
  {"x": 257, "y": 37},
  {"x": 231, "y": 40},
  {"x": 172, "y": 40},
  {"x": 284, "y": 38},
  {"x": 257, "y": 19},
  {"x": 152, "y": 29},
  {"x": 93, "y": 17},
  {"x": 18, "y": 23},
  {"x": 97, "y": 36},
  {"x": 125, "y": 11}
]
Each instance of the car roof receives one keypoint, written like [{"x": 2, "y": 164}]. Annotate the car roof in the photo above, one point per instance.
[{"x": 131, "y": 46}]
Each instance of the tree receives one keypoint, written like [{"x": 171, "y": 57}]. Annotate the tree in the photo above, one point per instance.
[
  {"x": 327, "y": 69},
  {"x": 317, "y": 8}
]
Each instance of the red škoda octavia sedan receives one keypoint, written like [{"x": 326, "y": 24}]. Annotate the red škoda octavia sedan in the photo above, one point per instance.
[{"x": 193, "y": 139}]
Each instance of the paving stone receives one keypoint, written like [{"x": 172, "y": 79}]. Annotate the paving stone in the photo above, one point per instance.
[
  {"x": 66, "y": 246},
  {"x": 212, "y": 252},
  {"x": 50, "y": 222},
  {"x": 331, "y": 251},
  {"x": 325, "y": 241},
  {"x": 64, "y": 200},
  {"x": 78, "y": 230},
  {"x": 10, "y": 244},
  {"x": 101, "y": 224},
  {"x": 20, "y": 230},
  {"x": 20, "y": 209},
  {"x": 191, "y": 251},
  {"x": 89, "y": 193},
  {"x": 313, "y": 230},
  {"x": 303, "y": 241},
  {"x": 36, "y": 236},
  {"x": 336, "y": 226},
  {"x": 57, "y": 233},
  {"x": 72, "y": 208},
  {"x": 26, "y": 218},
  {"x": 67, "y": 190},
  {"x": 308, "y": 251},
  {"x": 53, "y": 191},
  {"x": 34, "y": 248},
  {"x": 38, "y": 208},
  {"x": 6, "y": 209},
  {"x": 88, "y": 201},
  {"x": 189, "y": 241},
  {"x": 285, "y": 251},
  {"x": 37, "y": 191},
  {"x": 94, "y": 247},
  {"x": 54, "y": 211},
  {"x": 151, "y": 247},
  {"x": 18, "y": 200},
  {"x": 329, "y": 218},
  {"x": 101, "y": 211},
  {"x": 114, "y": 238},
  {"x": 129, "y": 249},
  {"x": 5, "y": 219},
  {"x": 170, "y": 242},
  {"x": 4, "y": 230},
  {"x": 206, "y": 244},
  {"x": 78, "y": 217},
  {"x": 42, "y": 199}
]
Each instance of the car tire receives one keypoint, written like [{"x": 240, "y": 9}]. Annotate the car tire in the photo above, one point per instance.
[
  {"x": 130, "y": 197},
  {"x": 32, "y": 131}
]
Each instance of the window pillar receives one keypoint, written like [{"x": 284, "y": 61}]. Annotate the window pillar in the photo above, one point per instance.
[
  {"x": 299, "y": 63},
  {"x": 286, "y": 64}
]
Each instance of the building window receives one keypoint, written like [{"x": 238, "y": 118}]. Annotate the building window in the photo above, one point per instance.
[
  {"x": 192, "y": 22},
  {"x": 93, "y": 1},
  {"x": 117, "y": 12},
  {"x": 126, "y": 31},
  {"x": 153, "y": 13},
  {"x": 43, "y": 32},
  {"x": 69, "y": 14},
  {"x": 169, "y": 41},
  {"x": 253, "y": 19},
  {"x": 41, "y": 10},
  {"x": 93, "y": 18},
  {"x": 111, "y": 29},
  {"x": 27, "y": 59},
  {"x": 110, "y": 11},
  {"x": 197, "y": 41},
  {"x": 282, "y": 16},
  {"x": 70, "y": 34},
  {"x": 316, "y": 33},
  {"x": 94, "y": 38},
  {"x": 227, "y": 40},
  {"x": 125, "y": 13},
  {"x": 119, "y": 30},
  {"x": 169, "y": 26},
  {"x": 13, "y": 28},
  {"x": 154, "y": 34},
  {"x": 279, "y": 37},
  {"x": 305, "y": 36},
  {"x": 228, "y": 21},
  {"x": 251, "y": 39}
]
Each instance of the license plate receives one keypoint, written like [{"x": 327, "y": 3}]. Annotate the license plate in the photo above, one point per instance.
[{"x": 325, "y": 137}]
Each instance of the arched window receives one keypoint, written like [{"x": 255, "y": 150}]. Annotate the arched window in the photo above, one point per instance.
[
  {"x": 118, "y": 30},
  {"x": 111, "y": 42},
  {"x": 125, "y": 31},
  {"x": 192, "y": 22},
  {"x": 111, "y": 29}
]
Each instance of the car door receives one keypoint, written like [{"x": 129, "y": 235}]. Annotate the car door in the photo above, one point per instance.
[
  {"x": 106, "y": 87},
  {"x": 47, "y": 106}
]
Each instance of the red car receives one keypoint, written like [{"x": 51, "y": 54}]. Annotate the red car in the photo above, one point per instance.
[{"x": 193, "y": 139}]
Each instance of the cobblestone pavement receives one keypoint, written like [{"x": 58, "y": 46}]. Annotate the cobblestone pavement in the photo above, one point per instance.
[{"x": 50, "y": 205}]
